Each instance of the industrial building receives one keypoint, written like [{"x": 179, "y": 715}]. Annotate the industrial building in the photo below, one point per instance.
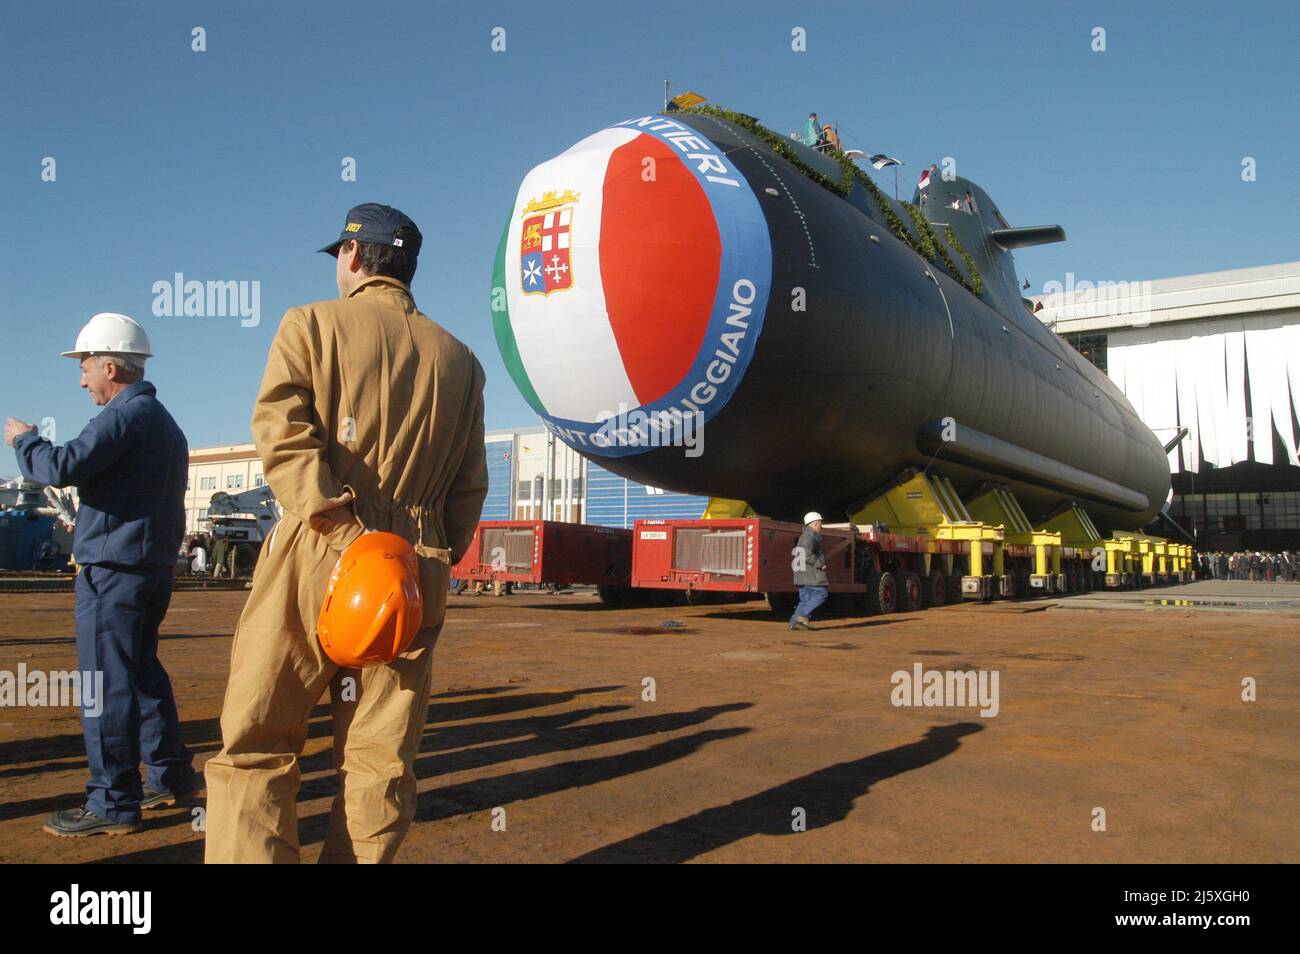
[{"x": 1219, "y": 355}]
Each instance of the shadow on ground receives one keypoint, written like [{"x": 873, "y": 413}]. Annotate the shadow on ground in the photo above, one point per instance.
[{"x": 827, "y": 796}]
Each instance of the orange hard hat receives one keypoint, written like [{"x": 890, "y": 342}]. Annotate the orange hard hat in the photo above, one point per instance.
[{"x": 373, "y": 607}]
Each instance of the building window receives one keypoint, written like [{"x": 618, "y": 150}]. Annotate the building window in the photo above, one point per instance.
[
  {"x": 258, "y": 480},
  {"x": 1089, "y": 344},
  {"x": 1274, "y": 510},
  {"x": 234, "y": 481}
]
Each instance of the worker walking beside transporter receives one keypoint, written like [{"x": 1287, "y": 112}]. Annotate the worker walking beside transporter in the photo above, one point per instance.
[
  {"x": 129, "y": 465},
  {"x": 369, "y": 417},
  {"x": 809, "y": 571}
]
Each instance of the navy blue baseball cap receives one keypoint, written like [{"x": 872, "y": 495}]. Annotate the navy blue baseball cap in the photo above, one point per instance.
[{"x": 381, "y": 224}]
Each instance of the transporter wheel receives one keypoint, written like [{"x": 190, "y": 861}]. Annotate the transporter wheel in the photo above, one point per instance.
[
  {"x": 782, "y": 604},
  {"x": 954, "y": 586},
  {"x": 242, "y": 560},
  {"x": 935, "y": 592},
  {"x": 882, "y": 593},
  {"x": 911, "y": 594},
  {"x": 614, "y": 594}
]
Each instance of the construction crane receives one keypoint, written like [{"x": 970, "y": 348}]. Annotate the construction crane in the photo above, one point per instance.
[{"x": 244, "y": 520}]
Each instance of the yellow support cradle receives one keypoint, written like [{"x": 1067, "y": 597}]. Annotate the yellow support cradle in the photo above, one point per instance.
[
  {"x": 927, "y": 507},
  {"x": 720, "y": 508},
  {"x": 1162, "y": 561},
  {"x": 998, "y": 506},
  {"x": 1080, "y": 533}
]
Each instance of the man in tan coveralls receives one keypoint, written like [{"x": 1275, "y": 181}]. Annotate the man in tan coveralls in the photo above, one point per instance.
[{"x": 370, "y": 417}]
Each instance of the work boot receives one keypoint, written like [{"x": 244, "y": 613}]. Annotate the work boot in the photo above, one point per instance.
[
  {"x": 154, "y": 799},
  {"x": 802, "y": 622},
  {"x": 79, "y": 823}
]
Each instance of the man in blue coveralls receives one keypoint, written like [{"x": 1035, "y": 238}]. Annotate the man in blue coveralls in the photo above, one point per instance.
[
  {"x": 809, "y": 571},
  {"x": 129, "y": 466}
]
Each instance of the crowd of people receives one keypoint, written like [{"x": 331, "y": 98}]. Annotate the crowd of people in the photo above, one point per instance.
[{"x": 1257, "y": 565}]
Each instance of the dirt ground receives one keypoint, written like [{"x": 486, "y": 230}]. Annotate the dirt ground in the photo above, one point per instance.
[{"x": 539, "y": 709}]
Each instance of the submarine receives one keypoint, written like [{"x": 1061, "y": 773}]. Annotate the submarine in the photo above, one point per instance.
[{"x": 697, "y": 303}]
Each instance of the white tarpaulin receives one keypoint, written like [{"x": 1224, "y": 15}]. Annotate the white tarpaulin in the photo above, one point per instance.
[
  {"x": 1187, "y": 353},
  {"x": 1235, "y": 428},
  {"x": 1196, "y": 375}
]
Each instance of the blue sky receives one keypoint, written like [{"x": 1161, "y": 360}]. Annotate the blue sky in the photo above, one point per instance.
[{"x": 225, "y": 165}]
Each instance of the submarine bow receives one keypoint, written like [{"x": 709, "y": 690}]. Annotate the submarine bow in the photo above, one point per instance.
[{"x": 673, "y": 267}]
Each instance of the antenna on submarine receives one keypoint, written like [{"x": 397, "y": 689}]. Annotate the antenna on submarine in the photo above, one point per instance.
[{"x": 665, "y": 96}]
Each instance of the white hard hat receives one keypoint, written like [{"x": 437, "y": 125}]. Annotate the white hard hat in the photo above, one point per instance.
[
  {"x": 810, "y": 516},
  {"x": 110, "y": 333}
]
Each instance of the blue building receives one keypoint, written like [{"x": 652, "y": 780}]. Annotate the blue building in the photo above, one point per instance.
[{"x": 532, "y": 475}]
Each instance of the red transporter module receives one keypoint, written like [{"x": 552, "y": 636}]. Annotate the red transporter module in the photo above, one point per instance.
[
  {"x": 871, "y": 572},
  {"x": 742, "y": 555},
  {"x": 550, "y": 552}
]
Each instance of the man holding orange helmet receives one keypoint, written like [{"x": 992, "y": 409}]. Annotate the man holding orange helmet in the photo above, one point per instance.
[{"x": 369, "y": 418}]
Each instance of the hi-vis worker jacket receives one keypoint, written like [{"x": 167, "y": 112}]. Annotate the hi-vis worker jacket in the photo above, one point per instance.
[{"x": 367, "y": 402}]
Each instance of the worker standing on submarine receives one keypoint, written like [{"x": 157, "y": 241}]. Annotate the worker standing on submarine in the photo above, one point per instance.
[
  {"x": 369, "y": 417},
  {"x": 813, "y": 134},
  {"x": 809, "y": 571}
]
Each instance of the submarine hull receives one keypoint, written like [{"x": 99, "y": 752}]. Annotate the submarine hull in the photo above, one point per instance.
[{"x": 677, "y": 265}]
